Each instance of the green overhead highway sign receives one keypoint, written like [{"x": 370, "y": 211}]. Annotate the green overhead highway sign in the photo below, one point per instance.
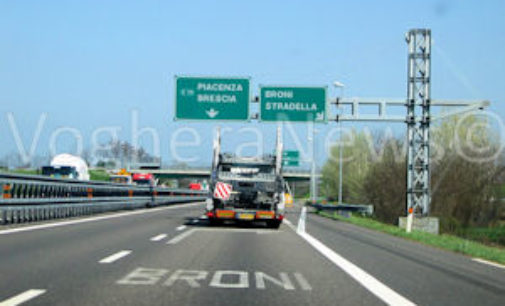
[
  {"x": 289, "y": 103},
  {"x": 208, "y": 98}
]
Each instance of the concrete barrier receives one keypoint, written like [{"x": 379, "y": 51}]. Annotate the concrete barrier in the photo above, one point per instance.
[{"x": 423, "y": 224}]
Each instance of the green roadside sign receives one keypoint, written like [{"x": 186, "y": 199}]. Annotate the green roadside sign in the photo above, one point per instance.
[
  {"x": 290, "y": 154},
  {"x": 289, "y": 103},
  {"x": 290, "y": 158},
  {"x": 209, "y": 98},
  {"x": 293, "y": 163}
]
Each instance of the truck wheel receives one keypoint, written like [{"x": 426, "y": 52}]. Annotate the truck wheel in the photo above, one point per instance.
[{"x": 215, "y": 222}]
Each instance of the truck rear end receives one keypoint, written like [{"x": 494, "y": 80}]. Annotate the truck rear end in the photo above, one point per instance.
[{"x": 246, "y": 189}]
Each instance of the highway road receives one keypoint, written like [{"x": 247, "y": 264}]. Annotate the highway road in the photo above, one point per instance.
[{"x": 170, "y": 256}]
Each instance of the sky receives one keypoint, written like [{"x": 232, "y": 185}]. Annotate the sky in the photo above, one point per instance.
[{"x": 76, "y": 70}]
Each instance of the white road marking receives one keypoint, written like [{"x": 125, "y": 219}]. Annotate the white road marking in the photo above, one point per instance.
[
  {"x": 301, "y": 222},
  {"x": 180, "y": 228},
  {"x": 220, "y": 279},
  {"x": 304, "y": 284},
  {"x": 386, "y": 294},
  {"x": 23, "y": 297},
  {"x": 159, "y": 237},
  {"x": 186, "y": 234},
  {"x": 383, "y": 292},
  {"x": 112, "y": 258},
  {"x": 283, "y": 282},
  {"x": 490, "y": 263},
  {"x": 91, "y": 219},
  {"x": 180, "y": 237},
  {"x": 263, "y": 232},
  {"x": 190, "y": 276},
  {"x": 143, "y": 276},
  {"x": 242, "y": 281}
]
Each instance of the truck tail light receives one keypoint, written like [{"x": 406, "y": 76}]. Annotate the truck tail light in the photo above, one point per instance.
[{"x": 265, "y": 215}]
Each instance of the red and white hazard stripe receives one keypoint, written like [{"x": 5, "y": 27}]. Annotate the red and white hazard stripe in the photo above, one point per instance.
[{"x": 222, "y": 191}]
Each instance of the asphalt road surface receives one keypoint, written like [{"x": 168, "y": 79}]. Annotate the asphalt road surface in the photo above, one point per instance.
[{"x": 170, "y": 256}]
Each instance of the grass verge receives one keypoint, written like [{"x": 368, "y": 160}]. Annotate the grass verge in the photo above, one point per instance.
[
  {"x": 21, "y": 171},
  {"x": 94, "y": 175},
  {"x": 443, "y": 241},
  {"x": 487, "y": 235},
  {"x": 99, "y": 175}
]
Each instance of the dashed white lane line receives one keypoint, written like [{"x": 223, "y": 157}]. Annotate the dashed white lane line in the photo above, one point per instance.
[
  {"x": 180, "y": 228},
  {"x": 490, "y": 263},
  {"x": 112, "y": 216},
  {"x": 159, "y": 237},
  {"x": 112, "y": 258},
  {"x": 23, "y": 297},
  {"x": 180, "y": 237},
  {"x": 383, "y": 292}
]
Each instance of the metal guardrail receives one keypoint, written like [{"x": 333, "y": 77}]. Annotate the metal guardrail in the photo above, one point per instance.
[
  {"x": 362, "y": 209},
  {"x": 27, "y": 198}
]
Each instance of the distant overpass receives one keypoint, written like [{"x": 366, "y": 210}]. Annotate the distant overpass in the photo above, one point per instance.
[{"x": 205, "y": 174}]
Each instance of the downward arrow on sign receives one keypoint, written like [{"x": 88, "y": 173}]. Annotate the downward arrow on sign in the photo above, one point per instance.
[{"x": 212, "y": 113}]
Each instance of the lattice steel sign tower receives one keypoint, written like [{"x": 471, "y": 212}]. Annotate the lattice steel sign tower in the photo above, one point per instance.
[
  {"x": 418, "y": 117},
  {"x": 418, "y": 127}
]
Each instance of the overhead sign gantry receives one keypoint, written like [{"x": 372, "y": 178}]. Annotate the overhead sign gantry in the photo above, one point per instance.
[{"x": 228, "y": 99}]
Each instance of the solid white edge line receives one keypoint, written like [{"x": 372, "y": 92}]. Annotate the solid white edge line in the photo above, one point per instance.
[
  {"x": 112, "y": 258},
  {"x": 91, "y": 219},
  {"x": 487, "y": 262},
  {"x": 158, "y": 237},
  {"x": 22, "y": 297},
  {"x": 180, "y": 228},
  {"x": 180, "y": 237},
  {"x": 373, "y": 285},
  {"x": 383, "y": 292}
]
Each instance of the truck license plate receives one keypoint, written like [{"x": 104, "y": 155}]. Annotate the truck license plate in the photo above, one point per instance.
[{"x": 246, "y": 216}]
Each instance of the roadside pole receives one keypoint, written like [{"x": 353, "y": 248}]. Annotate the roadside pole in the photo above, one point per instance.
[
  {"x": 410, "y": 219},
  {"x": 313, "y": 189},
  {"x": 338, "y": 84}
]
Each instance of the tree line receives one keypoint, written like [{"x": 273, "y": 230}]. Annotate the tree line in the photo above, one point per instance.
[{"x": 467, "y": 173}]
